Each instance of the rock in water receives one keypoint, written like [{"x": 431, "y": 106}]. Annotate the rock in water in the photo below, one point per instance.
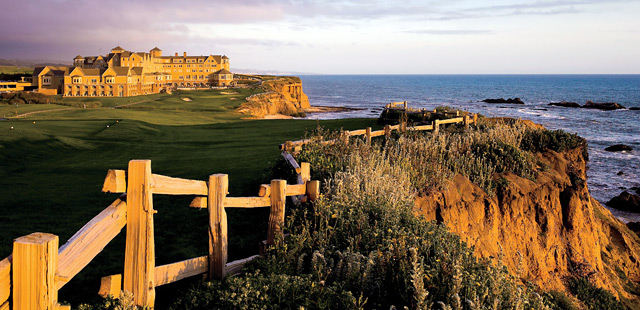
[
  {"x": 565, "y": 104},
  {"x": 634, "y": 108},
  {"x": 634, "y": 227},
  {"x": 625, "y": 202},
  {"x": 619, "y": 148},
  {"x": 502, "y": 100},
  {"x": 607, "y": 106}
]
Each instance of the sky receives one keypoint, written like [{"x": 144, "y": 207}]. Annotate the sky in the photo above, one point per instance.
[{"x": 341, "y": 36}]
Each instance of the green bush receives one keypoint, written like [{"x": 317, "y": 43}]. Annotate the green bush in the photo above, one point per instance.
[
  {"x": 557, "y": 300},
  {"x": 539, "y": 140},
  {"x": 593, "y": 297},
  {"x": 22, "y": 97}
]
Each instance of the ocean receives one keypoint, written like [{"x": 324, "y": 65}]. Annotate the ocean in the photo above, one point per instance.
[{"x": 601, "y": 128}]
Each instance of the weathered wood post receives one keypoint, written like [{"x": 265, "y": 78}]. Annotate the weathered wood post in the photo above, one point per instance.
[
  {"x": 276, "y": 217},
  {"x": 139, "y": 258},
  {"x": 313, "y": 190},
  {"x": 35, "y": 260},
  {"x": 466, "y": 121},
  {"x": 305, "y": 172},
  {"x": 387, "y": 131},
  {"x": 405, "y": 105},
  {"x": 288, "y": 146},
  {"x": 403, "y": 125},
  {"x": 367, "y": 134},
  {"x": 436, "y": 126},
  {"x": 218, "y": 188},
  {"x": 475, "y": 118},
  {"x": 345, "y": 137}
]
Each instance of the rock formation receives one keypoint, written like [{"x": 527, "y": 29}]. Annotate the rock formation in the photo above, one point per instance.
[
  {"x": 625, "y": 201},
  {"x": 502, "y": 100},
  {"x": 283, "y": 95},
  {"x": 619, "y": 148},
  {"x": 545, "y": 231},
  {"x": 607, "y": 106}
]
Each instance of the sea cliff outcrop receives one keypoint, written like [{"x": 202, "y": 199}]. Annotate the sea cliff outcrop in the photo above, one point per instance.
[
  {"x": 283, "y": 95},
  {"x": 545, "y": 231}
]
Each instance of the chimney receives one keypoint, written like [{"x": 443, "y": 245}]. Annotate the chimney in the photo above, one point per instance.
[
  {"x": 185, "y": 54},
  {"x": 176, "y": 54}
]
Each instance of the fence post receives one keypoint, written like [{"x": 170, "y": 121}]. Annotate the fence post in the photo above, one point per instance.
[
  {"x": 276, "y": 217},
  {"x": 387, "y": 131},
  {"x": 368, "y": 135},
  {"x": 436, "y": 126},
  {"x": 313, "y": 190},
  {"x": 218, "y": 188},
  {"x": 345, "y": 137},
  {"x": 466, "y": 121},
  {"x": 475, "y": 118},
  {"x": 305, "y": 172},
  {"x": 405, "y": 105},
  {"x": 35, "y": 260},
  {"x": 403, "y": 125},
  {"x": 139, "y": 258}
]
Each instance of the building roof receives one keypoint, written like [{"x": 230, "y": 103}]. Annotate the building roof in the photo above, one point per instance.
[
  {"x": 56, "y": 71},
  {"x": 117, "y": 48},
  {"x": 121, "y": 70},
  {"x": 225, "y": 57},
  {"x": 156, "y": 49},
  {"x": 223, "y": 71},
  {"x": 136, "y": 70},
  {"x": 78, "y": 57}
]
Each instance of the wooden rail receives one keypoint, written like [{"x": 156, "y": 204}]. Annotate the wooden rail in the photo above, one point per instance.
[
  {"x": 32, "y": 276},
  {"x": 296, "y": 146}
]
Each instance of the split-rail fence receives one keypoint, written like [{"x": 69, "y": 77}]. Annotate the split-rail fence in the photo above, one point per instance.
[{"x": 37, "y": 269}]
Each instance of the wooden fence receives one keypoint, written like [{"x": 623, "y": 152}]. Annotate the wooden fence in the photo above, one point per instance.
[
  {"x": 37, "y": 268},
  {"x": 296, "y": 146}
]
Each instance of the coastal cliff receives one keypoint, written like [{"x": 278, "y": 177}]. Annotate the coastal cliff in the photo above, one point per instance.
[
  {"x": 283, "y": 96},
  {"x": 545, "y": 231}
]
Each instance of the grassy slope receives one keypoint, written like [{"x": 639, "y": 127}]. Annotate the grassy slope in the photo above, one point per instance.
[{"x": 51, "y": 172}]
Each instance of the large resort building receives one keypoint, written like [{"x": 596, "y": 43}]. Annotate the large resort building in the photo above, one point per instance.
[{"x": 123, "y": 73}]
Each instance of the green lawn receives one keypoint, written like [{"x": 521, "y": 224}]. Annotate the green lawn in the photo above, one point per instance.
[
  {"x": 52, "y": 171},
  {"x": 15, "y": 70}
]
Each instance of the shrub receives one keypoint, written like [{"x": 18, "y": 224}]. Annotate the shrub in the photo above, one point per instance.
[
  {"x": 539, "y": 140},
  {"x": 22, "y": 97},
  {"x": 593, "y": 297}
]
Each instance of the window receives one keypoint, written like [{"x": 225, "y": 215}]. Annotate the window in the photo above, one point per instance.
[
  {"x": 77, "y": 80},
  {"x": 199, "y": 60},
  {"x": 188, "y": 77},
  {"x": 181, "y": 78},
  {"x": 94, "y": 81},
  {"x": 46, "y": 80},
  {"x": 110, "y": 80}
]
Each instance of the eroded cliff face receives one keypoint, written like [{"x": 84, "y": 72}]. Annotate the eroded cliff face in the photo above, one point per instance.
[
  {"x": 282, "y": 96},
  {"x": 544, "y": 231}
]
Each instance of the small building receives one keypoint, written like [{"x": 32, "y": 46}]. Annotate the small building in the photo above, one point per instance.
[{"x": 223, "y": 77}]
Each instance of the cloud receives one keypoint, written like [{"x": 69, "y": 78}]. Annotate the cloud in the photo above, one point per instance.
[{"x": 450, "y": 32}]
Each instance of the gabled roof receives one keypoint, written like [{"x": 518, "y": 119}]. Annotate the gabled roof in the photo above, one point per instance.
[
  {"x": 78, "y": 57},
  {"x": 225, "y": 57},
  {"x": 136, "y": 70},
  {"x": 217, "y": 58},
  {"x": 117, "y": 48},
  {"x": 121, "y": 70},
  {"x": 52, "y": 70},
  {"x": 156, "y": 49},
  {"x": 86, "y": 72},
  {"x": 223, "y": 71}
]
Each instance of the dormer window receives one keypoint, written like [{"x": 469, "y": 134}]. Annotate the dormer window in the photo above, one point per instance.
[
  {"x": 110, "y": 80},
  {"x": 46, "y": 80},
  {"x": 77, "y": 80}
]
